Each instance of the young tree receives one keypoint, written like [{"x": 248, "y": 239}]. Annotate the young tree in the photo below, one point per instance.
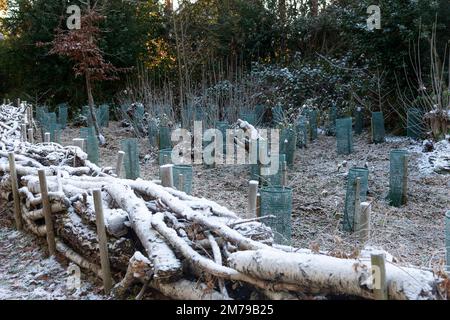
[{"x": 81, "y": 47}]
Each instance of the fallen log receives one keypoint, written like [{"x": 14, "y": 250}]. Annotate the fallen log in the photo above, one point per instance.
[
  {"x": 319, "y": 274},
  {"x": 164, "y": 262},
  {"x": 82, "y": 239}
]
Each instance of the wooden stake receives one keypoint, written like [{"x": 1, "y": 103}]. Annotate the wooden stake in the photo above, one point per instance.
[
  {"x": 357, "y": 212},
  {"x": 30, "y": 117},
  {"x": 31, "y": 136},
  {"x": 27, "y": 116},
  {"x": 405, "y": 180},
  {"x": 167, "y": 175},
  {"x": 258, "y": 205},
  {"x": 46, "y": 207},
  {"x": 78, "y": 143},
  {"x": 15, "y": 191},
  {"x": 379, "y": 276},
  {"x": 102, "y": 241},
  {"x": 120, "y": 157},
  {"x": 284, "y": 176},
  {"x": 253, "y": 198},
  {"x": 362, "y": 222},
  {"x": 18, "y": 102},
  {"x": 47, "y": 137},
  {"x": 23, "y": 127},
  {"x": 180, "y": 182}
]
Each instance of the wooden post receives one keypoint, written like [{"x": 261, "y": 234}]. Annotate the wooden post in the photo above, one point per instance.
[
  {"x": 18, "y": 102},
  {"x": 47, "y": 137},
  {"x": 253, "y": 198},
  {"x": 23, "y": 128},
  {"x": 47, "y": 212},
  {"x": 15, "y": 191},
  {"x": 30, "y": 115},
  {"x": 405, "y": 180},
  {"x": 102, "y": 241},
  {"x": 78, "y": 143},
  {"x": 379, "y": 276},
  {"x": 31, "y": 135},
  {"x": 27, "y": 116},
  {"x": 167, "y": 175},
  {"x": 120, "y": 157},
  {"x": 362, "y": 222},
  {"x": 284, "y": 176},
  {"x": 180, "y": 186},
  {"x": 258, "y": 205},
  {"x": 357, "y": 212}
]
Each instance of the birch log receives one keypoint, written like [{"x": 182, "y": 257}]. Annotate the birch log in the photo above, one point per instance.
[
  {"x": 320, "y": 274},
  {"x": 165, "y": 265}
]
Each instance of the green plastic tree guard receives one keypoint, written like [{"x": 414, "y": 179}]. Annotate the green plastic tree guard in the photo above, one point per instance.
[
  {"x": 50, "y": 117},
  {"x": 187, "y": 173},
  {"x": 223, "y": 126},
  {"x": 63, "y": 113},
  {"x": 397, "y": 192},
  {"x": 260, "y": 111},
  {"x": 86, "y": 112},
  {"x": 48, "y": 123},
  {"x": 447, "y": 238},
  {"x": 187, "y": 116},
  {"x": 131, "y": 159},
  {"x": 288, "y": 144},
  {"x": 359, "y": 120},
  {"x": 200, "y": 114},
  {"x": 153, "y": 133},
  {"x": 139, "y": 112},
  {"x": 248, "y": 116},
  {"x": 349, "y": 213},
  {"x": 91, "y": 143},
  {"x": 40, "y": 113},
  {"x": 313, "y": 121},
  {"x": 332, "y": 117},
  {"x": 55, "y": 132},
  {"x": 164, "y": 138},
  {"x": 277, "y": 201},
  {"x": 103, "y": 115},
  {"x": 277, "y": 115},
  {"x": 255, "y": 168},
  {"x": 274, "y": 180},
  {"x": 165, "y": 157},
  {"x": 378, "y": 131},
  {"x": 344, "y": 136},
  {"x": 302, "y": 132},
  {"x": 415, "y": 125}
]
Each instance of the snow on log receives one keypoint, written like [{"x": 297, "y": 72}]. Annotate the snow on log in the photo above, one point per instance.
[
  {"x": 320, "y": 274},
  {"x": 165, "y": 265}
]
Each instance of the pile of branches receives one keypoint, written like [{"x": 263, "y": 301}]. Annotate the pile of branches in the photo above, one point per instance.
[{"x": 182, "y": 246}]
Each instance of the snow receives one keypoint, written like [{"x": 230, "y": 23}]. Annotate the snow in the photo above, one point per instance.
[
  {"x": 437, "y": 161},
  {"x": 27, "y": 274}
]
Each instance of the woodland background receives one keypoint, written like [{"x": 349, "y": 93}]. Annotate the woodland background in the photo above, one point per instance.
[{"x": 278, "y": 52}]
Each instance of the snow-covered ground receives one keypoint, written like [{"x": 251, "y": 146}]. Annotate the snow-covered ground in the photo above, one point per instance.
[
  {"x": 436, "y": 161},
  {"x": 26, "y": 273},
  {"x": 428, "y": 163}
]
